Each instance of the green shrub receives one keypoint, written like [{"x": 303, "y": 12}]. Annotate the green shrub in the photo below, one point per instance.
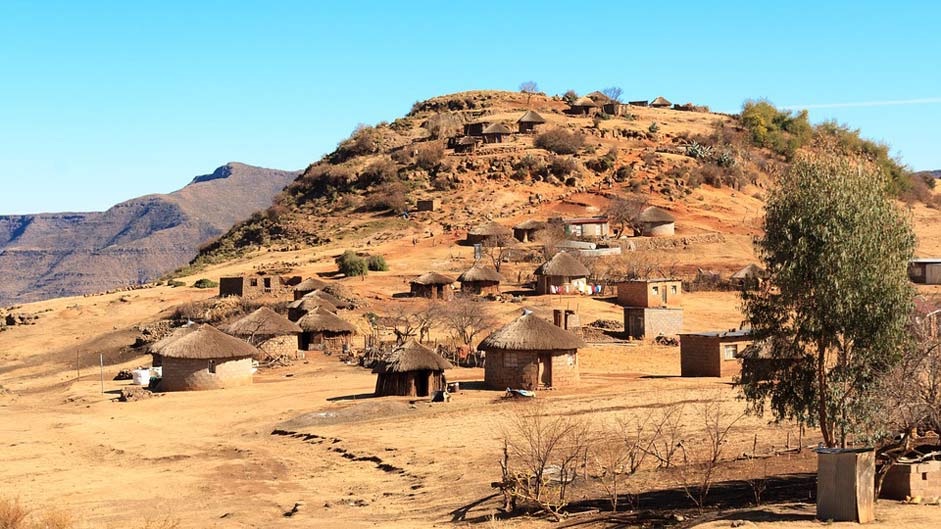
[
  {"x": 653, "y": 128},
  {"x": 779, "y": 130},
  {"x": 173, "y": 283},
  {"x": 559, "y": 141},
  {"x": 351, "y": 265},
  {"x": 205, "y": 283},
  {"x": 376, "y": 263}
]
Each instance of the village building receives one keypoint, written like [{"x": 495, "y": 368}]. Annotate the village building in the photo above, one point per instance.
[
  {"x": 307, "y": 286},
  {"x": 274, "y": 335},
  {"x": 531, "y": 353},
  {"x": 641, "y": 103},
  {"x": 925, "y": 271},
  {"x": 464, "y": 144},
  {"x": 300, "y": 307},
  {"x": 751, "y": 276},
  {"x": 432, "y": 285},
  {"x": 475, "y": 128},
  {"x": 713, "y": 354},
  {"x": 607, "y": 105},
  {"x": 495, "y": 133},
  {"x": 654, "y": 222},
  {"x": 584, "y": 227},
  {"x": 583, "y": 106},
  {"x": 411, "y": 370},
  {"x": 657, "y": 292},
  {"x": 660, "y": 102},
  {"x": 650, "y": 322},
  {"x": 255, "y": 285},
  {"x": 527, "y": 231},
  {"x": 563, "y": 274},
  {"x": 905, "y": 481},
  {"x": 428, "y": 204},
  {"x": 324, "y": 330},
  {"x": 201, "y": 357},
  {"x": 480, "y": 280},
  {"x": 488, "y": 232},
  {"x": 529, "y": 122}
]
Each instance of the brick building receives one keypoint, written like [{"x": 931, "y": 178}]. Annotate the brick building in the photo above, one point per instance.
[
  {"x": 201, "y": 357},
  {"x": 256, "y": 285},
  {"x": 660, "y": 292},
  {"x": 713, "y": 354},
  {"x": 644, "y": 322},
  {"x": 531, "y": 353}
]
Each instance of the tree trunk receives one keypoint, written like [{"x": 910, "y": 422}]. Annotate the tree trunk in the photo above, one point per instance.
[{"x": 822, "y": 396}]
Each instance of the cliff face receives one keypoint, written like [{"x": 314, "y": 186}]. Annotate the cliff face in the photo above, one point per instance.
[{"x": 62, "y": 254}]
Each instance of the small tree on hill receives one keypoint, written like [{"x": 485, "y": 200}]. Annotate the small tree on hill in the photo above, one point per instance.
[
  {"x": 350, "y": 264},
  {"x": 613, "y": 92},
  {"x": 623, "y": 210},
  {"x": 835, "y": 310},
  {"x": 529, "y": 88}
]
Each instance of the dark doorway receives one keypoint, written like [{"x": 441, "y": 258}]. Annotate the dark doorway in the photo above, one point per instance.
[{"x": 421, "y": 383}]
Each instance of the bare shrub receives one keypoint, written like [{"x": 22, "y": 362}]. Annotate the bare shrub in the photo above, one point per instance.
[
  {"x": 561, "y": 166},
  {"x": 466, "y": 319},
  {"x": 701, "y": 458},
  {"x": 390, "y": 196},
  {"x": 559, "y": 141},
  {"x": 12, "y": 514},
  {"x": 429, "y": 156},
  {"x": 378, "y": 172},
  {"x": 622, "y": 211}
]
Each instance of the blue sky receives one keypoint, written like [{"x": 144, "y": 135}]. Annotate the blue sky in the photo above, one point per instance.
[{"x": 104, "y": 101}]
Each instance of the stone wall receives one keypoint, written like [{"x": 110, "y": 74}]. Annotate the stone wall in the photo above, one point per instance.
[
  {"x": 520, "y": 369},
  {"x": 280, "y": 346},
  {"x": 185, "y": 374},
  {"x": 645, "y": 322}
]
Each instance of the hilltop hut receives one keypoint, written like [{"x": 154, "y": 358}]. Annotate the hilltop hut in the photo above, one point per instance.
[
  {"x": 201, "y": 357},
  {"x": 529, "y": 121},
  {"x": 563, "y": 274},
  {"x": 475, "y": 128},
  {"x": 322, "y": 329},
  {"x": 660, "y": 102},
  {"x": 307, "y": 286},
  {"x": 480, "y": 280},
  {"x": 491, "y": 231},
  {"x": 272, "y": 333},
  {"x": 428, "y": 204},
  {"x": 530, "y": 353},
  {"x": 654, "y": 222},
  {"x": 749, "y": 277},
  {"x": 253, "y": 286},
  {"x": 583, "y": 106},
  {"x": 299, "y": 308},
  {"x": 526, "y": 231},
  {"x": 432, "y": 285},
  {"x": 495, "y": 133},
  {"x": 465, "y": 144},
  {"x": 411, "y": 370}
]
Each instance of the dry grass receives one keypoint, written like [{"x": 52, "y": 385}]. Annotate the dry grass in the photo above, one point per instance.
[{"x": 14, "y": 515}]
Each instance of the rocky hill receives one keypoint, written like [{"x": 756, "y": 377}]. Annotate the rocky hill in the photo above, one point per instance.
[{"x": 61, "y": 254}]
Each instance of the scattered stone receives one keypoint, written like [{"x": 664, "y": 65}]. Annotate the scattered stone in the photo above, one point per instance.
[
  {"x": 124, "y": 374},
  {"x": 134, "y": 393}
]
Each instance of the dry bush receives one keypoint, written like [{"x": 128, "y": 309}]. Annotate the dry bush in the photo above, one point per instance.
[
  {"x": 466, "y": 319},
  {"x": 378, "y": 172},
  {"x": 559, "y": 141},
  {"x": 13, "y": 514},
  {"x": 429, "y": 156},
  {"x": 701, "y": 458},
  {"x": 390, "y": 196},
  {"x": 561, "y": 166},
  {"x": 443, "y": 125}
]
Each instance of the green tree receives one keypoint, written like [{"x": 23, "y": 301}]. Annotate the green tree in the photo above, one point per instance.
[
  {"x": 350, "y": 264},
  {"x": 834, "y": 313}
]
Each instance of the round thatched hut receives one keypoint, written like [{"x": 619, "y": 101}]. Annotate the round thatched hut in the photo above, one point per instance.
[
  {"x": 202, "y": 357},
  {"x": 488, "y": 232},
  {"x": 527, "y": 231},
  {"x": 530, "y": 353},
  {"x": 432, "y": 285},
  {"x": 299, "y": 308},
  {"x": 660, "y": 102},
  {"x": 411, "y": 370},
  {"x": 563, "y": 274},
  {"x": 749, "y": 277},
  {"x": 273, "y": 334},
  {"x": 583, "y": 105},
  {"x": 495, "y": 133},
  {"x": 654, "y": 222},
  {"x": 322, "y": 329},
  {"x": 307, "y": 286},
  {"x": 529, "y": 121},
  {"x": 481, "y": 280}
]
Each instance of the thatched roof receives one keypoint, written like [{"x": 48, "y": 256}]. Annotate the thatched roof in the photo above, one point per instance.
[
  {"x": 467, "y": 140},
  {"x": 531, "y": 117},
  {"x": 329, "y": 298},
  {"x": 660, "y": 101},
  {"x": 322, "y": 320},
  {"x": 309, "y": 303},
  {"x": 751, "y": 271},
  {"x": 263, "y": 322},
  {"x": 584, "y": 102},
  {"x": 202, "y": 342},
  {"x": 531, "y": 333},
  {"x": 599, "y": 98},
  {"x": 531, "y": 224},
  {"x": 310, "y": 284},
  {"x": 480, "y": 273},
  {"x": 563, "y": 264},
  {"x": 496, "y": 128},
  {"x": 432, "y": 278},
  {"x": 412, "y": 356},
  {"x": 654, "y": 215},
  {"x": 489, "y": 229}
]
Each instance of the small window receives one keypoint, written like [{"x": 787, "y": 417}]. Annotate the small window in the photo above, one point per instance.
[
  {"x": 212, "y": 366},
  {"x": 510, "y": 360},
  {"x": 729, "y": 351},
  {"x": 673, "y": 289},
  {"x": 656, "y": 290},
  {"x": 253, "y": 282}
]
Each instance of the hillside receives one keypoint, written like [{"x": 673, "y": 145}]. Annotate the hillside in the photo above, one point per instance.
[{"x": 64, "y": 254}]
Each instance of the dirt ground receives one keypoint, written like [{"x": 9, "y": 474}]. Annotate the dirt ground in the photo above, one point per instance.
[{"x": 312, "y": 435}]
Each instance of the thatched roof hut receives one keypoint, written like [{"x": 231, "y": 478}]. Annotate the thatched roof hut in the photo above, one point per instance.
[
  {"x": 299, "y": 308},
  {"x": 531, "y": 352},
  {"x": 307, "y": 286},
  {"x": 529, "y": 121},
  {"x": 322, "y": 329},
  {"x": 562, "y": 274},
  {"x": 495, "y": 132},
  {"x": 526, "y": 231},
  {"x": 432, "y": 285},
  {"x": 583, "y": 105},
  {"x": 202, "y": 357},
  {"x": 660, "y": 102},
  {"x": 465, "y": 144},
  {"x": 263, "y": 322},
  {"x": 654, "y": 222},
  {"x": 488, "y": 230},
  {"x": 411, "y": 370},
  {"x": 480, "y": 279},
  {"x": 751, "y": 276}
]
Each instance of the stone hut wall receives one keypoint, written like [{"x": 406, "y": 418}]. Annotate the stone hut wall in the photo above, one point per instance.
[
  {"x": 186, "y": 374},
  {"x": 280, "y": 346},
  {"x": 642, "y": 322},
  {"x": 520, "y": 369}
]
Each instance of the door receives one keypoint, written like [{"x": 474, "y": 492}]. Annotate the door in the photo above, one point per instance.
[
  {"x": 664, "y": 294},
  {"x": 421, "y": 383},
  {"x": 545, "y": 370}
]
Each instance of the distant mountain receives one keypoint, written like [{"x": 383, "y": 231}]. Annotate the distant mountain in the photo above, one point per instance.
[
  {"x": 51, "y": 255},
  {"x": 934, "y": 174}
]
